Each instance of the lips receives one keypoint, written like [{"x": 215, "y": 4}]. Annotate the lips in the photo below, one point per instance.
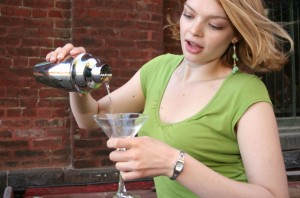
[{"x": 192, "y": 47}]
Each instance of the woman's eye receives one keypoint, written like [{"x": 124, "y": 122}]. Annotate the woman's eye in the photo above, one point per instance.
[
  {"x": 187, "y": 15},
  {"x": 214, "y": 27}
]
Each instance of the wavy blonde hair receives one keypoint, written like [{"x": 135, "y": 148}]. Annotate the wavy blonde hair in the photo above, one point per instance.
[{"x": 262, "y": 45}]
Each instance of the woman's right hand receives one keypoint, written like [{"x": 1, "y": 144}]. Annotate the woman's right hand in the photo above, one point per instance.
[{"x": 61, "y": 53}]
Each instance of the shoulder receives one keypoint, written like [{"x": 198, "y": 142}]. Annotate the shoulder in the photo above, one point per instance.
[
  {"x": 161, "y": 64},
  {"x": 242, "y": 91},
  {"x": 245, "y": 81},
  {"x": 245, "y": 89},
  {"x": 243, "y": 76},
  {"x": 164, "y": 59}
]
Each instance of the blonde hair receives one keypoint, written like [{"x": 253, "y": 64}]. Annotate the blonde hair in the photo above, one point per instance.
[{"x": 262, "y": 42}]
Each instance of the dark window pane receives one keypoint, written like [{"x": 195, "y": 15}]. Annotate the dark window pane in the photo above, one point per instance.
[{"x": 284, "y": 86}]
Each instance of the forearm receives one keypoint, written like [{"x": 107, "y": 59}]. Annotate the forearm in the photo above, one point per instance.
[
  {"x": 83, "y": 108},
  {"x": 207, "y": 183}
]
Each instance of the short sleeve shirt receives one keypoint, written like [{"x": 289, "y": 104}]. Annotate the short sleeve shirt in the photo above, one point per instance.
[{"x": 209, "y": 135}]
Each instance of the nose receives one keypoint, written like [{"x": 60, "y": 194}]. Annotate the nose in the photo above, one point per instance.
[{"x": 197, "y": 28}]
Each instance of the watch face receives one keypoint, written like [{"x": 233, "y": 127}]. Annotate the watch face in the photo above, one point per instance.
[{"x": 179, "y": 166}]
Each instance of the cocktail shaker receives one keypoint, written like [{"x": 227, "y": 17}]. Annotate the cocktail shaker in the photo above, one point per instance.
[{"x": 82, "y": 74}]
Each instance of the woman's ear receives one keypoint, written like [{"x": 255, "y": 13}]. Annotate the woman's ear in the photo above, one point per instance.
[{"x": 236, "y": 39}]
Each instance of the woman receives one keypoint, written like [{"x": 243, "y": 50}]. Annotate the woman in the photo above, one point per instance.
[{"x": 211, "y": 127}]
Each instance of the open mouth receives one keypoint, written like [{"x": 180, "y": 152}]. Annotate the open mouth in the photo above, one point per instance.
[{"x": 193, "y": 47}]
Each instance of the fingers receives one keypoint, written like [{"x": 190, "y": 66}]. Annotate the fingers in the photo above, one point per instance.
[
  {"x": 77, "y": 50},
  {"x": 119, "y": 156},
  {"x": 135, "y": 160},
  {"x": 119, "y": 143},
  {"x": 131, "y": 175},
  {"x": 137, "y": 174},
  {"x": 62, "y": 53}
]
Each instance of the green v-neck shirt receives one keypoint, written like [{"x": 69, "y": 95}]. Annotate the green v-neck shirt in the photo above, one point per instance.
[{"x": 209, "y": 135}]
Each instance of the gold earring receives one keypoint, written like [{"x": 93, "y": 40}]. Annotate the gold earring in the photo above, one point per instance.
[{"x": 235, "y": 59}]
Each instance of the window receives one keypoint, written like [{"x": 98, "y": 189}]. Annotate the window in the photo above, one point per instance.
[{"x": 284, "y": 86}]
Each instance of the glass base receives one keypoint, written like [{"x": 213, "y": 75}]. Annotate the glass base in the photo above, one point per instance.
[{"x": 122, "y": 195}]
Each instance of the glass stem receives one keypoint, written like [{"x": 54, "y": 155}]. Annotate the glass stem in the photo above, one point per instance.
[{"x": 121, "y": 187}]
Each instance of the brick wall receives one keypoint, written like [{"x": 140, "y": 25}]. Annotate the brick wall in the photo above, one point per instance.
[
  {"x": 37, "y": 128},
  {"x": 34, "y": 120},
  {"x": 173, "y": 9}
]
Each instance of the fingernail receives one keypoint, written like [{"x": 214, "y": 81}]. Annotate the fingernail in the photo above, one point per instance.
[
  {"x": 52, "y": 59},
  {"x": 59, "y": 57}
]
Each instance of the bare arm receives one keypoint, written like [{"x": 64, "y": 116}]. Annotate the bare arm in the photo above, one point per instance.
[
  {"x": 260, "y": 149},
  {"x": 128, "y": 98},
  {"x": 262, "y": 157}
]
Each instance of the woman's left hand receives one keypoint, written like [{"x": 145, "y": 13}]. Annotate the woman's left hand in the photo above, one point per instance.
[{"x": 143, "y": 157}]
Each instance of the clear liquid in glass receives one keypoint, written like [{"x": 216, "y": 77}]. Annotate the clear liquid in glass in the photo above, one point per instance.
[{"x": 120, "y": 125}]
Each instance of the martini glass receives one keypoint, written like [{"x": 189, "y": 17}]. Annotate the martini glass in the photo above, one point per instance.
[{"x": 121, "y": 125}]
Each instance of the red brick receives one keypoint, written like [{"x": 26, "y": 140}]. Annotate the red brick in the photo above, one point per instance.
[
  {"x": 12, "y": 11},
  {"x": 61, "y": 42},
  {"x": 60, "y": 112},
  {"x": 37, "y": 23},
  {"x": 65, "y": 152},
  {"x": 52, "y": 142},
  {"x": 38, "y": 13},
  {"x": 36, "y": 102},
  {"x": 29, "y": 112},
  {"x": 88, "y": 143},
  {"x": 58, "y": 132},
  {"x": 2, "y": 92},
  {"x": 90, "y": 3},
  {"x": 10, "y": 164},
  {"x": 16, "y": 123},
  {"x": 65, "y": 5},
  {"x": 5, "y": 134},
  {"x": 39, "y": 115},
  {"x": 5, "y": 61},
  {"x": 22, "y": 62},
  {"x": 14, "y": 112},
  {"x": 13, "y": 144},
  {"x": 94, "y": 12},
  {"x": 11, "y": 42},
  {"x": 29, "y": 153},
  {"x": 38, "y": 3},
  {"x": 3, "y": 31},
  {"x": 9, "y": 102},
  {"x": 22, "y": 51},
  {"x": 45, "y": 112},
  {"x": 55, "y": 13},
  {"x": 20, "y": 92},
  {"x": 63, "y": 26},
  {"x": 52, "y": 92},
  {"x": 10, "y": 22},
  {"x": 11, "y": 2},
  {"x": 86, "y": 163},
  {"x": 61, "y": 161},
  {"x": 49, "y": 123},
  {"x": 4, "y": 155},
  {"x": 61, "y": 102},
  {"x": 30, "y": 133},
  {"x": 37, "y": 42}
]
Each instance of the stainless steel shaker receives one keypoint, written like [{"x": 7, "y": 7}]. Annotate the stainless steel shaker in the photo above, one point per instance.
[{"x": 82, "y": 74}]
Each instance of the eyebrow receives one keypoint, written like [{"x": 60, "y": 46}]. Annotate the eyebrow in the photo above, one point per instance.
[{"x": 211, "y": 16}]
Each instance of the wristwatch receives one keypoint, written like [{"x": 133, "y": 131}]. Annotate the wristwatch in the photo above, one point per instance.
[{"x": 178, "y": 166}]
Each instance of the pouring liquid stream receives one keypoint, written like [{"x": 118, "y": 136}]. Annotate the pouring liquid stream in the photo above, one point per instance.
[
  {"x": 122, "y": 192},
  {"x": 109, "y": 96},
  {"x": 120, "y": 125}
]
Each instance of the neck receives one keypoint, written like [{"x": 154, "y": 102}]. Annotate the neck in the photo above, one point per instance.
[{"x": 191, "y": 72}]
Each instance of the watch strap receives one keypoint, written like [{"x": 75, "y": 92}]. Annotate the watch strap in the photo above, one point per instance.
[{"x": 180, "y": 161}]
